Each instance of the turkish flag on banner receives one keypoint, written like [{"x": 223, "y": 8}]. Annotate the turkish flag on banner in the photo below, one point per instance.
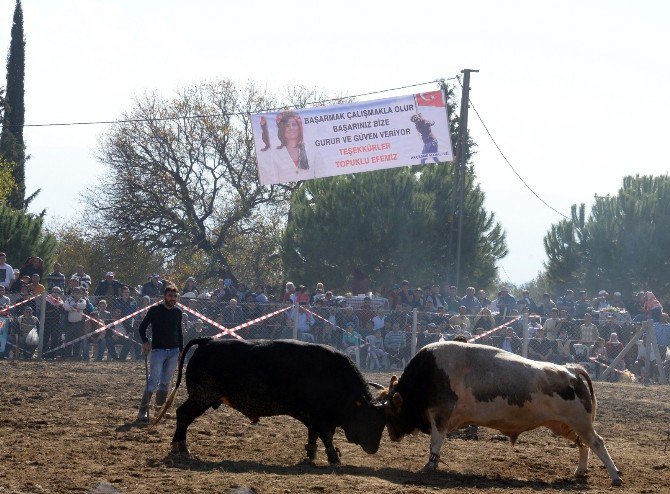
[{"x": 433, "y": 98}]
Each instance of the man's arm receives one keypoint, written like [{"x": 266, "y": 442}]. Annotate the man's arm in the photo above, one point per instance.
[
  {"x": 180, "y": 335},
  {"x": 145, "y": 323}
]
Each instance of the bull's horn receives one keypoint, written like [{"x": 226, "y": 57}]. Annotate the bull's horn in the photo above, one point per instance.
[{"x": 376, "y": 385}]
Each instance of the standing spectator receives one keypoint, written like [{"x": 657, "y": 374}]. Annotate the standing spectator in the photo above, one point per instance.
[
  {"x": 483, "y": 322},
  {"x": 378, "y": 359},
  {"x": 74, "y": 306},
  {"x": 610, "y": 326},
  {"x": 534, "y": 326},
  {"x": 601, "y": 301},
  {"x": 35, "y": 287},
  {"x": 302, "y": 295},
  {"x": 33, "y": 265},
  {"x": 83, "y": 280},
  {"x": 636, "y": 306},
  {"x": 395, "y": 343},
  {"x": 4, "y": 299},
  {"x": 582, "y": 305},
  {"x": 471, "y": 302},
  {"x": 351, "y": 342},
  {"x": 360, "y": 284},
  {"x": 406, "y": 296},
  {"x": 53, "y": 317},
  {"x": 105, "y": 340},
  {"x": 588, "y": 332},
  {"x": 563, "y": 348},
  {"x": 223, "y": 293},
  {"x": 289, "y": 293},
  {"x": 109, "y": 287},
  {"x": 617, "y": 301},
  {"x": 318, "y": 293},
  {"x": 436, "y": 297},
  {"x": 233, "y": 315},
  {"x": 379, "y": 321},
  {"x": 394, "y": 296},
  {"x": 56, "y": 278},
  {"x": 154, "y": 287},
  {"x": 260, "y": 296},
  {"x": 23, "y": 296},
  {"x": 567, "y": 302},
  {"x": 542, "y": 349},
  {"x": 614, "y": 347},
  {"x": 27, "y": 322},
  {"x": 6, "y": 272},
  {"x": 127, "y": 305},
  {"x": 483, "y": 298},
  {"x": 452, "y": 300},
  {"x": 526, "y": 302},
  {"x": 505, "y": 303}
]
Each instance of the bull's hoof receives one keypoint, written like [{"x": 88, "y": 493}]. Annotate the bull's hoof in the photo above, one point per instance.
[
  {"x": 616, "y": 482},
  {"x": 180, "y": 448},
  {"x": 333, "y": 456},
  {"x": 429, "y": 467},
  {"x": 580, "y": 474},
  {"x": 311, "y": 451}
]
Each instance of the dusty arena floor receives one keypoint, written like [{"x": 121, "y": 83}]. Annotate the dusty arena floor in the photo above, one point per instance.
[{"x": 67, "y": 427}]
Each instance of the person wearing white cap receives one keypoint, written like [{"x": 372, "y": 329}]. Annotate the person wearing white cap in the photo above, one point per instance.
[
  {"x": 601, "y": 301},
  {"x": 109, "y": 287}
]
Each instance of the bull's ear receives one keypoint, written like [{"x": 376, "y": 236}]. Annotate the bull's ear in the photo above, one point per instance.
[
  {"x": 358, "y": 403},
  {"x": 394, "y": 381},
  {"x": 397, "y": 401}
]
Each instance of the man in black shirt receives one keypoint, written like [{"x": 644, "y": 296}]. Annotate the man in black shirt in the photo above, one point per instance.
[{"x": 165, "y": 346}]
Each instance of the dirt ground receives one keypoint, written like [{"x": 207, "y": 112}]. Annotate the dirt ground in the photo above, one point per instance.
[{"x": 67, "y": 427}]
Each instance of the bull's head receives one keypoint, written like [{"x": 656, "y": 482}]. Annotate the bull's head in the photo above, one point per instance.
[
  {"x": 396, "y": 421},
  {"x": 366, "y": 424}
]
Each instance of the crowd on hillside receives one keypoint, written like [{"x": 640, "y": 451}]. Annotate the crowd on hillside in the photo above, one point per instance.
[{"x": 373, "y": 329}]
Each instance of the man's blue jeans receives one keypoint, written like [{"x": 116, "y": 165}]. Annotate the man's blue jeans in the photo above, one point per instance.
[{"x": 162, "y": 363}]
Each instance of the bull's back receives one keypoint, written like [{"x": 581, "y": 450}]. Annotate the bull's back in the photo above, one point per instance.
[{"x": 263, "y": 378}]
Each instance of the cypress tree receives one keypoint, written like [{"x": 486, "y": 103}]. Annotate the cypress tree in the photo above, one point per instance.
[{"x": 12, "y": 148}]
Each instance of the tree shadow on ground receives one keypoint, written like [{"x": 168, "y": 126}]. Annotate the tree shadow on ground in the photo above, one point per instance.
[{"x": 440, "y": 479}]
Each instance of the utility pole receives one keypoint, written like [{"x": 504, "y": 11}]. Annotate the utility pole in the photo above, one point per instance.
[{"x": 462, "y": 163}]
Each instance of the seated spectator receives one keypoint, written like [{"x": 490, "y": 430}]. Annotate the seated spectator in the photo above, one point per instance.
[
  {"x": 542, "y": 349},
  {"x": 588, "y": 332},
  {"x": 259, "y": 295},
  {"x": 436, "y": 298},
  {"x": 452, "y": 300},
  {"x": 461, "y": 319},
  {"x": 483, "y": 298},
  {"x": 377, "y": 356},
  {"x": 510, "y": 342},
  {"x": 505, "y": 303},
  {"x": 379, "y": 321},
  {"x": 190, "y": 288},
  {"x": 18, "y": 282},
  {"x": 601, "y": 301},
  {"x": 319, "y": 292},
  {"x": 289, "y": 293},
  {"x": 640, "y": 365},
  {"x": 483, "y": 322},
  {"x": 345, "y": 316},
  {"x": 552, "y": 325},
  {"x": 4, "y": 299},
  {"x": 154, "y": 287},
  {"x": 610, "y": 326},
  {"x": 652, "y": 307},
  {"x": 351, "y": 342},
  {"x": 617, "y": 301},
  {"x": 233, "y": 315},
  {"x": 563, "y": 348},
  {"x": 534, "y": 326},
  {"x": 56, "y": 278},
  {"x": 394, "y": 296},
  {"x": 598, "y": 355}
]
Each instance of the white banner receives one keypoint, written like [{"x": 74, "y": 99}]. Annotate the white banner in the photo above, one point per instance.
[{"x": 334, "y": 140}]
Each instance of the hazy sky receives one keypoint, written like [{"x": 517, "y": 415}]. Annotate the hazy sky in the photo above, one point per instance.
[{"x": 575, "y": 93}]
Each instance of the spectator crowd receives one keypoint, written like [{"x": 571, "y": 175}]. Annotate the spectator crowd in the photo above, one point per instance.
[{"x": 374, "y": 330}]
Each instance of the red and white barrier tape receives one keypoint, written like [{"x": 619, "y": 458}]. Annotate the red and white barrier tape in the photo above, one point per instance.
[
  {"x": 6, "y": 309},
  {"x": 101, "y": 329},
  {"x": 491, "y": 331},
  {"x": 360, "y": 339},
  {"x": 257, "y": 320},
  {"x": 224, "y": 330}
]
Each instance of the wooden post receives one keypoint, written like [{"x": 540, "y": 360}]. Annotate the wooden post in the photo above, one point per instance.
[
  {"x": 524, "y": 344},
  {"x": 623, "y": 353},
  {"x": 653, "y": 339},
  {"x": 413, "y": 342}
]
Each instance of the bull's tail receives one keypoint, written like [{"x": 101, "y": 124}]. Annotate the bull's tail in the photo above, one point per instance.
[
  {"x": 581, "y": 372},
  {"x": 170, "y": 399}
]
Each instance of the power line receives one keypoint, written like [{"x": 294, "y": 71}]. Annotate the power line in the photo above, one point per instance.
[
  {"x": 312, "y": 103},
  {"x": 508, "y": 162}
]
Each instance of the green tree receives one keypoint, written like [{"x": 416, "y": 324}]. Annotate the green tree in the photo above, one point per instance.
[
  {"x": 12, "y": 148},
  {"x": 23, "y": 235},
  {"x": 622, "y": 245}
]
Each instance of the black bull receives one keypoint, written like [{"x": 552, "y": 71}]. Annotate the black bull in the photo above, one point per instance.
[{"x": 314, "y": 384}]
